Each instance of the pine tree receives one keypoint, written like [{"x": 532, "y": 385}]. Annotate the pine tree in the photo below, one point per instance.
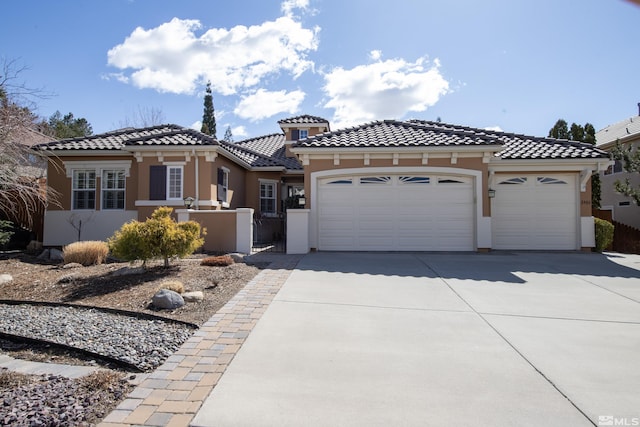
[
  {"x": 228, "y": 136},
  {"x": 208, "y": 117},
  {"x": 586, "y": 133}
]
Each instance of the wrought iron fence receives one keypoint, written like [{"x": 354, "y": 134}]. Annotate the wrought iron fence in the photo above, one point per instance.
[{"x": 269, "y": 234}]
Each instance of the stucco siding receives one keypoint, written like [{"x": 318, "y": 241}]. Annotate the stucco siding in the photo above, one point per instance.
[{"x": 64, "y": 227}]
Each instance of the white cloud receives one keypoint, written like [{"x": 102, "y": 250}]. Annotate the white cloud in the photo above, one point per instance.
[
  {"x": 494, "y": 128},
  {"x": 263, "y": 103},
  {"x": 375, "y": 55},
  {"x": 196, "y": 125},
  {"x": 174, "y": 58},
  {"x": 288, "y": 6},
  {"x": 383, "y": 90},
  {"x": 239, "y": 131}
]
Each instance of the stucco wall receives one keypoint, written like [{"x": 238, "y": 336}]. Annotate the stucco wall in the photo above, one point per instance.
[
  {"x": 58, "y": 181},
  {"x": 221, "y": 229},
  {"x": 253, "y": 188}
]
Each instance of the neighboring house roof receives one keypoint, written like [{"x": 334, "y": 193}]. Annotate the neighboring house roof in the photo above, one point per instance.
[
  {"x": 420, "y": 133},
  {"x": 618, "y": 131},
  {"x": 304, "y": 119},
  {"x": 271, "y": 146},
  {"x": 251, "y": 157}
]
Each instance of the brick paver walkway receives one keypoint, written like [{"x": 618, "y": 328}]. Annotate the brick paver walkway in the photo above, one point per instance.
[{"x": 173, "y": 393}]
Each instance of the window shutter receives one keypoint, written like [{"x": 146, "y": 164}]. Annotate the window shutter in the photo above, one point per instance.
[
  {"x": 157, "y": 182},
  {"x": 222, "y": 191},
  {"x": 295, "y": 135}
]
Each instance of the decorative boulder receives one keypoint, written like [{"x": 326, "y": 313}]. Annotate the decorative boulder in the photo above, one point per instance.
[
  {"x": 168, "y": 300},
  {"x": 193, "y": 296},
  {"x": 237, "y": 257},
  {"x": 72, "y": 265},
  {"x": 56, "y": 255},
  {"x": 44, "y": 255},
  {"x": 5, "y": 278}
]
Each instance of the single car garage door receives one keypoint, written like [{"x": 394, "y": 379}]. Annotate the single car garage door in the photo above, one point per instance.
[
  {"x": 535, "y": 212},
  {"x": 396, "y": 213}
]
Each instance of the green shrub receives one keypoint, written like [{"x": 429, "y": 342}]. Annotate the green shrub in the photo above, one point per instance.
[
  {"x": 6, "y": 231},
  {"x": 604, "y": 234},
  {"x": 159, "y": 237},
  {"x": 91, "y": 252}
]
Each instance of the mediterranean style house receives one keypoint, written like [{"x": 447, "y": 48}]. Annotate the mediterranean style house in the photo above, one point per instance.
[
  {"x": 627, "y": 134},
  {"x": 382, "y": 186}
]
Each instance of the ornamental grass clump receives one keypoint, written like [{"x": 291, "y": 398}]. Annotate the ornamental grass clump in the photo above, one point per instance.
[
  {"x": 159, "y": 237},
  {"x": 90, "y": 252},
  {"x": 217, "y": 261},
  {"x": 173, "y": 285}
]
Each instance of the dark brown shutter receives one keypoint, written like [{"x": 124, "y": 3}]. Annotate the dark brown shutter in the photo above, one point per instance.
[
  {"x": 222, "y": 191},
  {"x": 157, "y": 182},
  {"x": 295, "y": 134}
]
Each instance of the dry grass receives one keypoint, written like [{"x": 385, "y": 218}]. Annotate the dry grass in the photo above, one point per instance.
[
  {"x": 172, "y": 285},
  {"x": 217, "y": 261},
  {"x": 101, "y": 380},
  {"x": 91, "y": 252},
  {"x": 9, "y": 380}
]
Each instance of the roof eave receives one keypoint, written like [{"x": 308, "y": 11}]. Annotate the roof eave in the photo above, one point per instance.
[{"x": 491, "y": 148}]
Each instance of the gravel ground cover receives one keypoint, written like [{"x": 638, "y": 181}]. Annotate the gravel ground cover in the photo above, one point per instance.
[{"x": 142, "y": 343}]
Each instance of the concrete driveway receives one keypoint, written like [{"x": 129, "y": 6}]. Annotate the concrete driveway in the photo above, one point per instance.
[{"x": 499, "y": 339}]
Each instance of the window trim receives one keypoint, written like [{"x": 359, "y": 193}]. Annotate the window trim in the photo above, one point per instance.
[
  {"x": 168, "y": 194},
  {"x": 74, "y": 190},
  {"x": 273, "y": 183},
  {"x": 103, "y": 189},
  {"x": 306, "y": 131}
]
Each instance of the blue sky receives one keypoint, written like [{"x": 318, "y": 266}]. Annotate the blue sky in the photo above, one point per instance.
[{"x": 513, "y": 65}]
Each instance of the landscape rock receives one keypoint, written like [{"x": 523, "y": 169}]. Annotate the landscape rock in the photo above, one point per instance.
[
  {"x": 166, "y": 299},
  {"x": 72, "y": 265},
  {"x": 125, "y": 271},
  {"x": 56, "y": 255},
  {"x": 193, "y": 296},
  {"x": 237, "y": 257},
  {"x": 5, "y": 278},
  {"x": 44, "y": 256}
]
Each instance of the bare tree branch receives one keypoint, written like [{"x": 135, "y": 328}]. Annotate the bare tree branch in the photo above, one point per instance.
[{"x": 21, "y": 169}]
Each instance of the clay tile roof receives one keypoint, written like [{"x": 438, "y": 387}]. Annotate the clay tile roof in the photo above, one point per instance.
[
  {"x": 271, "y": 146},
  {"x": 249, "y": 156},
  {"x": 422, "y": 133},
  {"x": 304, "y": 119},
  {"x": 118, "y": 139}
]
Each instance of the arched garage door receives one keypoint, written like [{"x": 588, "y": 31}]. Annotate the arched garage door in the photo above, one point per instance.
[
  {"x": 535, "y": 212},
  {"x": 396, "y": 213}
]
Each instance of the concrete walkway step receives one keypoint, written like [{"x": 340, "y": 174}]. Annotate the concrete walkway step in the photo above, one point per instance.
[{"x": 39, "y": 368}]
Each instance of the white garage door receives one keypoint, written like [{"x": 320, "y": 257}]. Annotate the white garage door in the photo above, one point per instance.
[
  {"x": 535, "y": 212},
  {"x": 396, "y": 213}
]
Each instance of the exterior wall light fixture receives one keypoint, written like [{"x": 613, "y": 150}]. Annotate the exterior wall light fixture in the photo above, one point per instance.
[
  {"x": 188, "y": 201},
  {"x": 492, "y": 193}
]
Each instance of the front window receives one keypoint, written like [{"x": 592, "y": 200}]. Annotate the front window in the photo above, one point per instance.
[
  {"x": 303, "y": 134},
  {"x": 174, "y": 182},
  {"x": 268, "y": 197},
  {"x": 84, "y": 189},
  {"x": 113, "y": 182}
]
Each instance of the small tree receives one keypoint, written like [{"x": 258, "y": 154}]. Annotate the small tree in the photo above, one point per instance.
[
  {"x": 159, "y": 237},
  {"x": 208, "y": 116},
  {"x": 630, "y": 157},
  {"x": 228, "y": 136}
]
